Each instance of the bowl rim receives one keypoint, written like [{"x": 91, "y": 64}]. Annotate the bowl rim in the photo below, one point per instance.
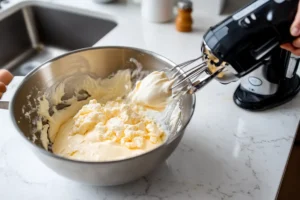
[{"x": 55, "y": 156}]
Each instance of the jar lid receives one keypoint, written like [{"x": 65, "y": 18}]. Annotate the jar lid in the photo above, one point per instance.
[{"x": 185, "y": 4}]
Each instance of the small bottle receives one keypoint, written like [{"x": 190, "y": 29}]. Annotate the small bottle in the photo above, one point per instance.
[
  {"x": 158, "y": 11},
  {"x": 184, "y": 21}
]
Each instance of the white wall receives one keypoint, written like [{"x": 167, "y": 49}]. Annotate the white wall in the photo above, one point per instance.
[{"x": 209, "y": 6}]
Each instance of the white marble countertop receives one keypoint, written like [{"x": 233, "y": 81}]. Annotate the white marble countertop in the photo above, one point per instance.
[{"x": 226, "y": 153}]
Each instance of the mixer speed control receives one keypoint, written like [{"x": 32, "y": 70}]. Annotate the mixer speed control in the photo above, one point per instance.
[{"x": 248, "y": 21}]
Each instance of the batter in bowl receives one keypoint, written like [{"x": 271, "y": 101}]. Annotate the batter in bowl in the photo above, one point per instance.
[{"x": 112, "y": 124}]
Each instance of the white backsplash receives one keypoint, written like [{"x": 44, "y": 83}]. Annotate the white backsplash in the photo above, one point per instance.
[{"x": 213, "y": 7}]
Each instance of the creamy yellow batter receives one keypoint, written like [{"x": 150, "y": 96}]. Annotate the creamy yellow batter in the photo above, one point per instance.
[
  {"x": 114, "y": 130},
  {"x": 110, "y": 125}
]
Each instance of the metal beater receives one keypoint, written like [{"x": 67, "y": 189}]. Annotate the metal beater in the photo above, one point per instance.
[{"x": 192, "y": 75}]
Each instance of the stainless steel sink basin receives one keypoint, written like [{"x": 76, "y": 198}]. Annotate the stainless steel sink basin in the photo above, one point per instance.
[{"x": 33, "y": 34}]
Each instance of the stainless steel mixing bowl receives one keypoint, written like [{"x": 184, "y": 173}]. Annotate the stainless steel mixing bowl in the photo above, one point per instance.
[{"x": 100, "y": 61}]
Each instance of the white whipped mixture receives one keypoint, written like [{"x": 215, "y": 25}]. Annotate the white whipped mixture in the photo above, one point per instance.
[
  {"x": 153, "y": 92},
  {"x": 112, "y": 123}
]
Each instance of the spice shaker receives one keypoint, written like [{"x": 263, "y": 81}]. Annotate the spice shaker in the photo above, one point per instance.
[
  {"x": 157, "y": 10},
  {"x": 184, "y": 19}
]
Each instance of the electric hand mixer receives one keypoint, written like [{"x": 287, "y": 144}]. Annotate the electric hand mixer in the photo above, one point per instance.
[{"x": 246, "y": 44}]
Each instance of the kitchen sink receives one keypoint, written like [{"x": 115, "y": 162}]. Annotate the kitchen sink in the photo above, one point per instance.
[{"x": 34, "y": 34}]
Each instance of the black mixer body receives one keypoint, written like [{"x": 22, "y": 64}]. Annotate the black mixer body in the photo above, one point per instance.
[
  {"x": 250, "y": 39},
  {"x": 248, "y": 36}
]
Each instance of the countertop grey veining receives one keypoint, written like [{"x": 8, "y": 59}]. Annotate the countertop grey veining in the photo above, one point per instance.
[{"x": 226, "y": 153}]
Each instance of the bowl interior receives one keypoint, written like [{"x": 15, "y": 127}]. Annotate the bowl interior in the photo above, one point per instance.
[{"x": 98, "y": 62}]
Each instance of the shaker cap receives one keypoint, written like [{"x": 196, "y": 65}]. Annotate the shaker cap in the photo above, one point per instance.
[{"x": 185, "y": 4}]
